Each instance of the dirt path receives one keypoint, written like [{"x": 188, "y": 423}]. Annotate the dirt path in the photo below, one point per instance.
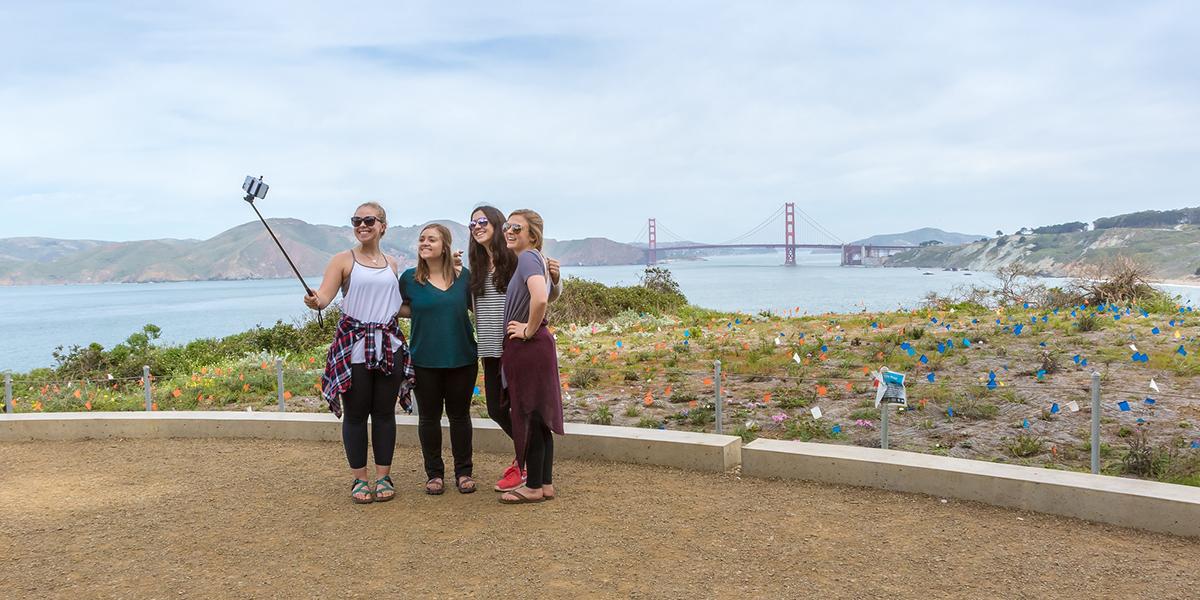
[{"x": 210, "y": 519}]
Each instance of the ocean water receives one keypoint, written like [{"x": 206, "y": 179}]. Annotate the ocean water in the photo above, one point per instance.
[{"x": 36, "y": 319}]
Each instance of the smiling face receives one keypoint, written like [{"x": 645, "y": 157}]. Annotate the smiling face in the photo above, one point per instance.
[
  {"x": 518, "y": 241},
  {"x": 482, "y": 234},
  {"x": 364, "y": 233},
  {"x": 430, "y": 244}
]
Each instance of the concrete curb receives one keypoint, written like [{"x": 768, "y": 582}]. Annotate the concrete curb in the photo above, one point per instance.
[
  {"x": 685, "y": 450},
  {"x": 1148, "y": 505}
]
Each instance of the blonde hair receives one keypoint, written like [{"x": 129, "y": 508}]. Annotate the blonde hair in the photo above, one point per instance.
[
  {"x": 535, "y": 225},
  {"x": 422, "y": 275},
  {"x": 379, "y": 209}
]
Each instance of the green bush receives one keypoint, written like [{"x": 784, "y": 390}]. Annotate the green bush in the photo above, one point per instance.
[{"x": 586, "y": 301}]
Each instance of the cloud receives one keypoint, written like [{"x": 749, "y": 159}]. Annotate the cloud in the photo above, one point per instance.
[{"x": 131, "y": 120}]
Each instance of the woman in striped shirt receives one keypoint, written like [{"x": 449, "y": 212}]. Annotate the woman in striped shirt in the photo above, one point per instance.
[{"x": 492, "y": 266}]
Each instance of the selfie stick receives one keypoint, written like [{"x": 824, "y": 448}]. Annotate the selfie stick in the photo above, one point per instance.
[{"x": 255, "y": 187}]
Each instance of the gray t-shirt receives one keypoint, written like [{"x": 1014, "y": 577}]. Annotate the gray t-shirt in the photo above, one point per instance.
[{"x": 516, "y": 299}]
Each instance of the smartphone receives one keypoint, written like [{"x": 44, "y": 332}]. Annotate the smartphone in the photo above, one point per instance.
[{"x": 255, "y": 186}]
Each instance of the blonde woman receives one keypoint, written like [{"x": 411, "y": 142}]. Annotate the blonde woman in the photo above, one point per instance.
[
  {"x": 530, "y": 361},
  {"x": 368, "y": 363},
  {"x": 437, "y": 296}
]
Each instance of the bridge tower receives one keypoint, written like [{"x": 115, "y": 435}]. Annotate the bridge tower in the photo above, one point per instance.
[
  {"x": 789, "y": 235},
  {"x": 651, "y": 250}
]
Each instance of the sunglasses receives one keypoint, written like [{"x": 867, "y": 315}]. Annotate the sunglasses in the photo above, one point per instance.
[
  {"x": 513, "y": 227},
  {"x": 368, "y": 221},
  {"x": 479, "y": 223}
]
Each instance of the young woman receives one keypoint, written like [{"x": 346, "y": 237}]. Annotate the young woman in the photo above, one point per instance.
[
  {"x": 530, "y": 361},
  {"x": 438, "y": 298},
  {"x": 494, "y": 263},
  {"x": 368, "y": 364}
]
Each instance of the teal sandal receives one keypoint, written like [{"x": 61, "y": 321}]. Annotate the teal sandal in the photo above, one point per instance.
[
  {"x": 362, "y": 487},
  {"x": 383, "y": 486}
]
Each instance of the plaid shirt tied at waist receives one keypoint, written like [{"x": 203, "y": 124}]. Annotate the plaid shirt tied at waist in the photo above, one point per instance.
[{"x": 336, "y": 379}]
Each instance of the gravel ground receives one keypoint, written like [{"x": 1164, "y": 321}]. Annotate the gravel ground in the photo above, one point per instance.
[{"x": 233, "y": 518}]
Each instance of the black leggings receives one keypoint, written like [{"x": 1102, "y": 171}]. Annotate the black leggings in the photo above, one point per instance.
[
  {"x": 449, "y": 388},
  {"x": 539, "y": 454},
  {"x": 371, "y": 394},
  {"x": 497, "y": 401}
]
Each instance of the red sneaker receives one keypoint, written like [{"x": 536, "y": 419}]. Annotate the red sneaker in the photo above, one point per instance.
[{"x": 513, "y": 478}]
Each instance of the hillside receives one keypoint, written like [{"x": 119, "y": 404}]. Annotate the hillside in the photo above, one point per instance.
[
  {"x": 916, "y": 236},
  {"x": 243, "y": 252},
  {"x": 1170, "y": 253}
]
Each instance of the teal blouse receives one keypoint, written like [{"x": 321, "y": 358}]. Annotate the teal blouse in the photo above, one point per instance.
[{"x": 442, "y": 336}]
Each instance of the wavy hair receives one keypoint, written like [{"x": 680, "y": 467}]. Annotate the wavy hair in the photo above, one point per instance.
[
  {"x": 422, "y": 275},
  {"x": 503, "y": 260}
]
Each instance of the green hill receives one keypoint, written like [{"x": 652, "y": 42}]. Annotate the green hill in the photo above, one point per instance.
[{"x": 1169, "y": 253}]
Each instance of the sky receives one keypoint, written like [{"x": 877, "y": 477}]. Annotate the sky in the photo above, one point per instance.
[{"x": 136, "y": 120}]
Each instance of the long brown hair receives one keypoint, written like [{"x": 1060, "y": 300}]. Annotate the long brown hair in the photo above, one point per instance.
[
  {"x": 447, "y": 259},
  {"x": 504, "y": 261}
]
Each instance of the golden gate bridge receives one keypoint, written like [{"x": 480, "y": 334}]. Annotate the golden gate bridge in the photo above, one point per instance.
[{"x": 815, "y": 237}]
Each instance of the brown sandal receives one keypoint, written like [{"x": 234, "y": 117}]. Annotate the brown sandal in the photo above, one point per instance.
[
  {"x": 523, "y": 499},
  {"x": 435, "y": 486},
  {"x": 465, "y": 484}
]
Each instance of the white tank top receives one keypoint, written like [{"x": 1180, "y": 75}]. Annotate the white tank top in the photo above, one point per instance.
[{"x": 372, "y": 297}]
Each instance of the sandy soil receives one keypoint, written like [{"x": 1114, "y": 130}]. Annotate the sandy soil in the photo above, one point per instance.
[{"x": 208, "y": 519}]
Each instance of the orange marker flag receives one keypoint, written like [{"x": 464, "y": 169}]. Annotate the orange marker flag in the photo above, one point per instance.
[
  {"x": 767, "y": 397},
  {"x": 264, "y": 364},
  {"x": 693, "y": 404},
  {"x": 649, "y": 400},
  {"x": 241, "y": 376},
  {"x": 745, "y": 345},
  {"x": 153, "y": 406},
  {"x": 866, "y": 370},
  {"x": 176, "y": 392},
  {"x": 667, "y": 392},
  {"x": 245, "y": 387},
  {"x": 204, "y": 370},
  {"x": 708, "y": 381},
  {"x": 77, "y": 394},
  {"x": 37, "y": 405},
  {"x": 821, "y": 391},
  {"x": 849, "y": 387},
  {"x": 612, "y": 355},
  {"x": 88, "y": 405},
  {"x": 286, "y": 395}
]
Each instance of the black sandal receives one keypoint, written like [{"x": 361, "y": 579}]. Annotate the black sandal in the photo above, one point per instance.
[
  {"x": 462, "y": 481},
  {"x": 435, "y": 489}
]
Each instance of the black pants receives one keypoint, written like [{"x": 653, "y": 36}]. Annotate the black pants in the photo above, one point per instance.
[
  {"x": 497, "y": 402},
  {"x": 371, "y": 394},
  {"x": 451, "y": 389},
  {"x": 539, "y": 454}
]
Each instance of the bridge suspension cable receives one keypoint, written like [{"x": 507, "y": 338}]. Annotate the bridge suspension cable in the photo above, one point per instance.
[
  {"x": 761, "y": 226},
  {"x": 675, "y": 236},
  {"x": 817, "y": 226}
]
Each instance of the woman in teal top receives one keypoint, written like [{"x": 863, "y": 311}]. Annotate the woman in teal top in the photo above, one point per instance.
[{"x": 437, "y": 297}]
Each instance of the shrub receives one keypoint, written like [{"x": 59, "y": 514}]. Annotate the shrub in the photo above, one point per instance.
[
  {"x": 601, "y": 416},
  {"x": 586, "y": 301},
  {"x": 1025, "y": 445},
  {"x": 584, "y": 378}
]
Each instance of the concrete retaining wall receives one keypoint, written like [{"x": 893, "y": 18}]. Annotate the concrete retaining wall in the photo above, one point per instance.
[
  {"x": 697, "y": 451},
  {"x": 1148, "y": 505}
]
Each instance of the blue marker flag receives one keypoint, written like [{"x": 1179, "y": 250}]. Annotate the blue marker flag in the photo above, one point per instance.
[
  {"x": 875, "y": 324},
  {"x": 1025, "y": 423},
  {"x": 1054, "y": 408},
  {"x": 905, "y": 346},
  {"x": 974, "y": 321},
  {"x": 1140, "y": 421},
  {"x": 619, "y": 344},
  {"x": 941, "y": 348},
  {"x": 1151, "y": 401},
  {"x": 911, "y": 352},
  {"x": 1026, "y": 305},
  {"x": 997, "y": 321},
  {"x": 966, "y": 342},
  {"x": 687, "y": 333},
  {"x": 950, "y": 411},
  {"x": 1182, "y": 351},
  {"x": 1042, "y": 344},
  {"x": 1075, "y": 358},
  {"x": 933, "y": 319},
  {"x": 1072, "y": 314},
  {"x": 1017, "y": 329},
  {"x": 991, "y": 385},
  {"x": 1196, "y": 443},
  {"x": 1155, "y": 331},
  {"x": 1083, "y": 363},
  {"x": 930, "y": 377},
  {"x": 991, "y": 375},
  {"x": 1045, "y": 319},
  {"x": 476, "y": 392},
  {"x": 824, "y": 348},
  {"x": 1116, "y": 317},
  {"x": 924, "y": 360},
  {"x": 1123, "y": 405},
  {"x": 1041, "y": 374},
  {"x": 837, "y": 429}
]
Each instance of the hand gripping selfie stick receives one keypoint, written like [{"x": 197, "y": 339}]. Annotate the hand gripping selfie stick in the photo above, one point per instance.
[{"x": 255, "y": 188}]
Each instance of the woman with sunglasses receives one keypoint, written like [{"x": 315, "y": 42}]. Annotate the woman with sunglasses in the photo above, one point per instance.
[
  {"x": 494, "y": 264},
  {"x": 368, "y": 364},
  {"x": 530, "y": 361},
  {"x": 437, "y": 298}
]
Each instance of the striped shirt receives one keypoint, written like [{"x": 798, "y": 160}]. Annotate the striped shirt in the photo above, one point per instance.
[{"x": 489, "y": 320}]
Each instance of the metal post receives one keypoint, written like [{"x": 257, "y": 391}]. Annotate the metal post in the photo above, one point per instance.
[
  {"x": 717, "y": 395},
  {"x": 883, "y": 425},
  {"x": 279, "y": 382},
  {"x": 1095, "y": 422},
  {"x": 146, "y": 385},
  {"x": 8, "y": 407}
]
